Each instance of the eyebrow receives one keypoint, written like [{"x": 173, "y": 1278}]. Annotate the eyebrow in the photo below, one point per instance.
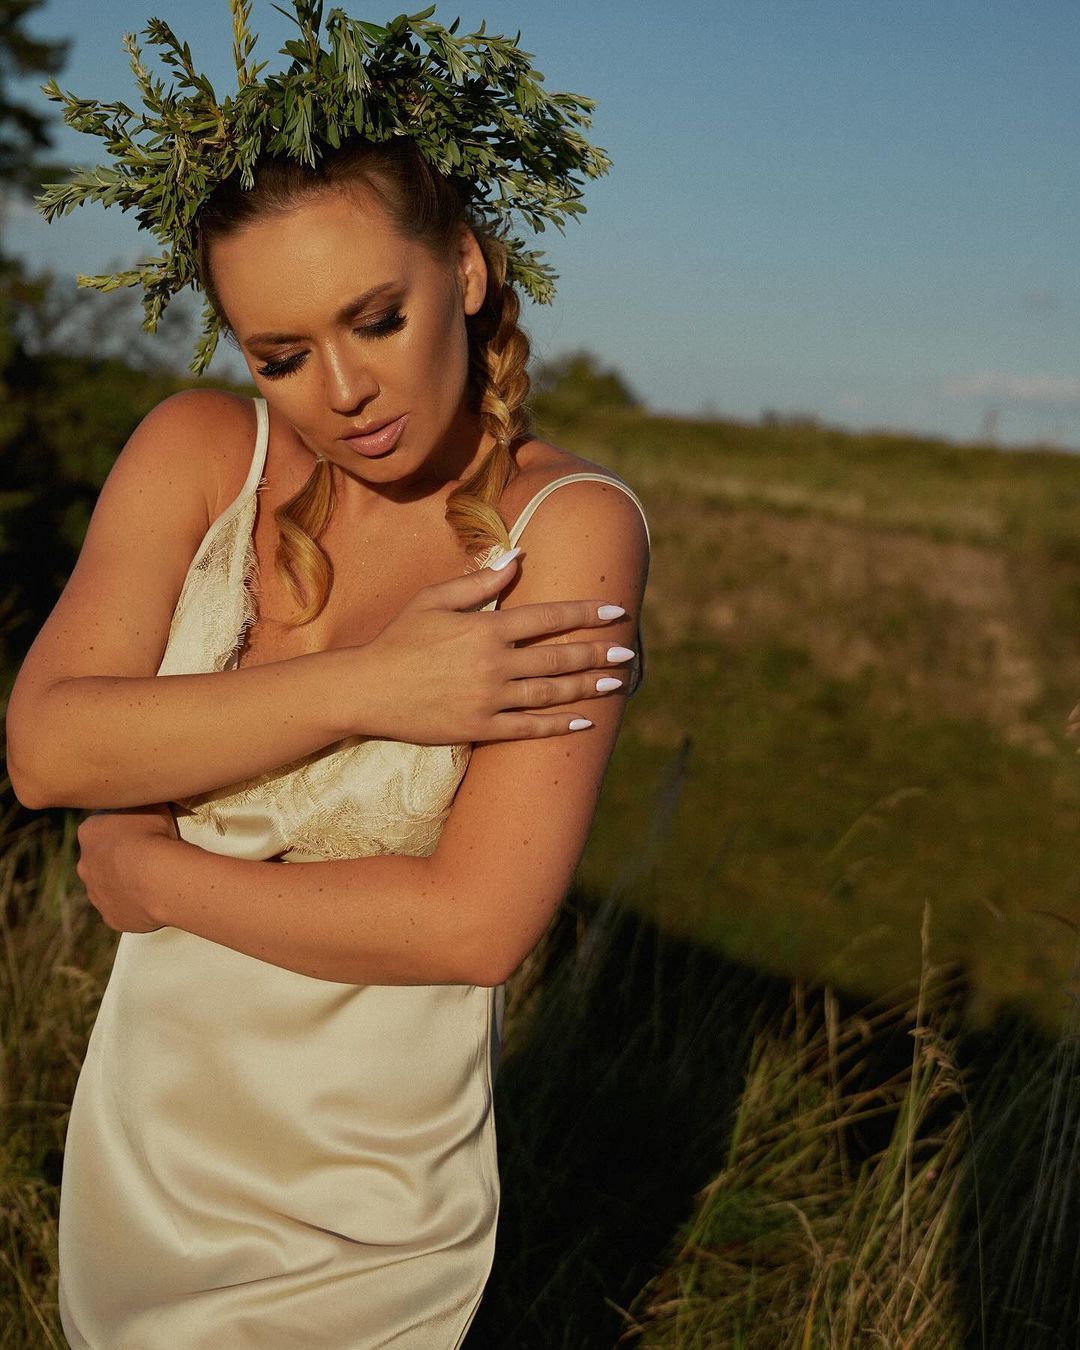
[{"x": 344, "y": 313}]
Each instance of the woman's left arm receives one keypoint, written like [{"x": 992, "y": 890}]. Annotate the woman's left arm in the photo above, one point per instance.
[{"x": 472, "y": 911}]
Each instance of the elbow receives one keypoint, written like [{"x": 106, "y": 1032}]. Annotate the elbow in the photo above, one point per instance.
[
  {"x": 489, "y": 945},
  {"x": 44, "y": 769},
  {"x": 487, "y": 965},
  {"x": 491, "y": 964},
  {"x": 31, "y": 778},
  {"x": 491, "y": 976},
  {"x": 27, "y": 788},
  {"x": 28, "y": 791},
  {"x": 497, "y": 945},
  {"x": 25, "y": 735}
]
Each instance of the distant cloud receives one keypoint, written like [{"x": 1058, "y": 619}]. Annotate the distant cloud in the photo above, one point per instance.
[{"x": 1024, "y": 388}]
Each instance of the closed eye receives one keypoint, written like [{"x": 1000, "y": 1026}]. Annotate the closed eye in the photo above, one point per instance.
[{"x": 388, "y": 324}]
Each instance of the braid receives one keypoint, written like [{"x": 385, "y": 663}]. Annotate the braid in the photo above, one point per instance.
[
  {"x": 301, "y": 520},
  {"x": 499, "y": 385}
]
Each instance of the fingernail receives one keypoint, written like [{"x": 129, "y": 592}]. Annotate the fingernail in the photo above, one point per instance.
[
  {"x": 608, "y": 683},
  {"x": 619, "y": 654},
  {"x": 580, "y": 723},
  {"x": 610, "y": 611},
  {"x": 501, "y": 561}
]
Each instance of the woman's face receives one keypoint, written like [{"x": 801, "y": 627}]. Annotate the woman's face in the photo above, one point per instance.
[{"x": 345, "y": 326}]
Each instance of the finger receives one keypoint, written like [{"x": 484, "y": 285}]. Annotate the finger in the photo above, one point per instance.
[
  {"x": 555, "y": 616},
  {"x": 547, "y": 693},
  {"x": 475, "y": 588},
  {"x": 520, "y": 726},
  {"x": 562, "y": 658}
]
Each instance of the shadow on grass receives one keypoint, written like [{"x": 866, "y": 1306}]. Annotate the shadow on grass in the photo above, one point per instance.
[
  {"x": 615, "y": 1103},
  {"x": 1020, "y": 1284},
  {"x": 612, "y": 1110}
]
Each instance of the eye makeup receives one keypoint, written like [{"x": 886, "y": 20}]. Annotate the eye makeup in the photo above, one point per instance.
[{"x": 390, "y": 323}]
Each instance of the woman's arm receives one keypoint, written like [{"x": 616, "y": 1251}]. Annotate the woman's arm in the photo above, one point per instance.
[
  {"x": 472, "y": 911},
  {"x": 90, "y": 724}
]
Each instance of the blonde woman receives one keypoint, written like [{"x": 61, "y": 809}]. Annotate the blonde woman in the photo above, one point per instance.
[{"x": 286, "y": 633}]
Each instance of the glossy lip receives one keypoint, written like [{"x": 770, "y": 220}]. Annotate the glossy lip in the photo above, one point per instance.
[
  {"x": 379, "y": 441},
  {"x": 368, "y": 430}
]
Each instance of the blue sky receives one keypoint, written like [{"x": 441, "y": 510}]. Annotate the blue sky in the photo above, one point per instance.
[{"x": 866, "y": 210}]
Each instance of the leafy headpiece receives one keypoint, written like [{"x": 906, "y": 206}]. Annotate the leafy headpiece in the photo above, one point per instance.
[{"x": 473, "y": 104}]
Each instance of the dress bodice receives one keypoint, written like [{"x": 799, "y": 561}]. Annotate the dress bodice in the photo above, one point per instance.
[{"x": 358, "y": 797}]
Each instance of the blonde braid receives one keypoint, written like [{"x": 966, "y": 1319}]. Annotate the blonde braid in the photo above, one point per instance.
[
  {"x": 301, "y": 520},
  {"x": 500, "y": 351}
]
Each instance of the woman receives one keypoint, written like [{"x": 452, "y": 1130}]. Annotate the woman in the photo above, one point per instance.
[{"x": 282, "y": 1134}]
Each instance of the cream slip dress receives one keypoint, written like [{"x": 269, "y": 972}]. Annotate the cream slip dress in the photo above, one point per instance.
[{"x": 257, "y": 1159}]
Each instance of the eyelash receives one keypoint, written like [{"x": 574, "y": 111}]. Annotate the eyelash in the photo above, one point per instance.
[{"x": 386, "y": 326}]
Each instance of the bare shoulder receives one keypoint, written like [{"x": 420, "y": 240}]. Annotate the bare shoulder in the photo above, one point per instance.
[
  {"x": 216, "y": 430},
  {"x": 540, "y": 463},
  {"x": 587, "y": 538}
]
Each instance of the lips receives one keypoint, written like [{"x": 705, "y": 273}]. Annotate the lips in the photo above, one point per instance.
[
  {"x": 379, "y": 440},
  {"x": 369, "y": 429}
]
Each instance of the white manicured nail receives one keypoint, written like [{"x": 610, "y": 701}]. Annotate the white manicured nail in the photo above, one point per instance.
[
  {"x": 580, "y": 723},
  {"x": 610, "y": 612},
  {"x": 501, "y": 561},
  {"x": 619, "y": 654},
  {"x": 608, "y": 683}
]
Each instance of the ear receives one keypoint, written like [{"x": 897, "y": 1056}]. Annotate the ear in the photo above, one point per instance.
[{"x": 472, "y": 272}]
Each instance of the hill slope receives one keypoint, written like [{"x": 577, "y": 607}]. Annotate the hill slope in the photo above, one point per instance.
[{"x": 867, "y": 647}]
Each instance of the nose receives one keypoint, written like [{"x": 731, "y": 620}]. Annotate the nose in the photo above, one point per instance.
[{"x": 349, "y": 380}]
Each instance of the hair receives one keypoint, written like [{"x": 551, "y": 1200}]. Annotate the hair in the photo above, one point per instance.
[{"x": 427, "y": 208}]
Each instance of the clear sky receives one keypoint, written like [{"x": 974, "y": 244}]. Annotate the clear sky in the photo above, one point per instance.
[{"x": 866, "y": 210}]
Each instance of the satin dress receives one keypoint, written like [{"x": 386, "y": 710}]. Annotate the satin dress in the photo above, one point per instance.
[{"x": 261, "y": 1160}]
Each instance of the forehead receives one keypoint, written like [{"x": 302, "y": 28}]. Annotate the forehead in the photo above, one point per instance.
[{"x": 306, "y": 257}]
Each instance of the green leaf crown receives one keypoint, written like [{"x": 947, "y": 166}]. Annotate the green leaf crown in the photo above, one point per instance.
[{"x": 473, "y": 104}]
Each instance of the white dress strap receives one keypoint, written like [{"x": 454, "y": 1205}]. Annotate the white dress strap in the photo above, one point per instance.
[
  {"x": 262, "y": 440},
  {"x": 635, "y": 669},
  {"x": 526, "y": 514}
]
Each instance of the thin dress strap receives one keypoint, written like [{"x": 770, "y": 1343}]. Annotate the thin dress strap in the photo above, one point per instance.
[
  {"x": 635, "y": 669},
  {"x": 526, "y": 514},
  {"x": 215, "y": 605},
  {"x": 262, "y": 440},
  {"x": 253, "y": 481}
]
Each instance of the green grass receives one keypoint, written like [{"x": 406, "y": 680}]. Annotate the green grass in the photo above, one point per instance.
[
  {"x": 694, "y": 1153},
  {"x": 861, "y": 655},
  {"x": 872, "y": 645}
]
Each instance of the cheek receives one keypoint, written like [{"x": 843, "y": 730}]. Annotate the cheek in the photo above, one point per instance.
[{"x": 436, "y": 354}]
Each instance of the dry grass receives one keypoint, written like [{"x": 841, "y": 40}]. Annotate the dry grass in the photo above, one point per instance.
[
  {"x": 56, "y": 957},
  {"x": 806, "y": 1239}
]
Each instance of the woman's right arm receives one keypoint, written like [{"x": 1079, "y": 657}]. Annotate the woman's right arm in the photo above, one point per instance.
[{"x": 90, "y": 724}]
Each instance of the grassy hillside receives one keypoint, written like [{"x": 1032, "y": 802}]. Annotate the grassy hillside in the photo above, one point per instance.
[
  {"x": 861, "y": 655},
  {"x": 862, "y": 652}
]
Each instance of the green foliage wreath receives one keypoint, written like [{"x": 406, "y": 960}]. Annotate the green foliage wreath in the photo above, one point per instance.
[{"x": 474, "y": 105}]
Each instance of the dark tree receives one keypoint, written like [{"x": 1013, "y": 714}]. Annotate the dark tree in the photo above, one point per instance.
[
  {"x": 23, "y": 132},
  {"x": 577, "y": 382}
]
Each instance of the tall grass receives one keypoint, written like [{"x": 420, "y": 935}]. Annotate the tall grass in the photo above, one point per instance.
[
  {"x": 56, "y": 955},
  {"x": 693, "y": 1153},
  {"x": 814, "y": 1233}
]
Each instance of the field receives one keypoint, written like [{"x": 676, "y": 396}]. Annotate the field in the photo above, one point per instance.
[
  {"x": 862, "y": 653},
  {"x": 796, "y": 1064}
]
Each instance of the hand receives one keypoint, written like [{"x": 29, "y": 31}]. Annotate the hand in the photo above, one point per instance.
[
  {"x": 109, "y": 844},
  {"x": 451, "y": 676}
]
